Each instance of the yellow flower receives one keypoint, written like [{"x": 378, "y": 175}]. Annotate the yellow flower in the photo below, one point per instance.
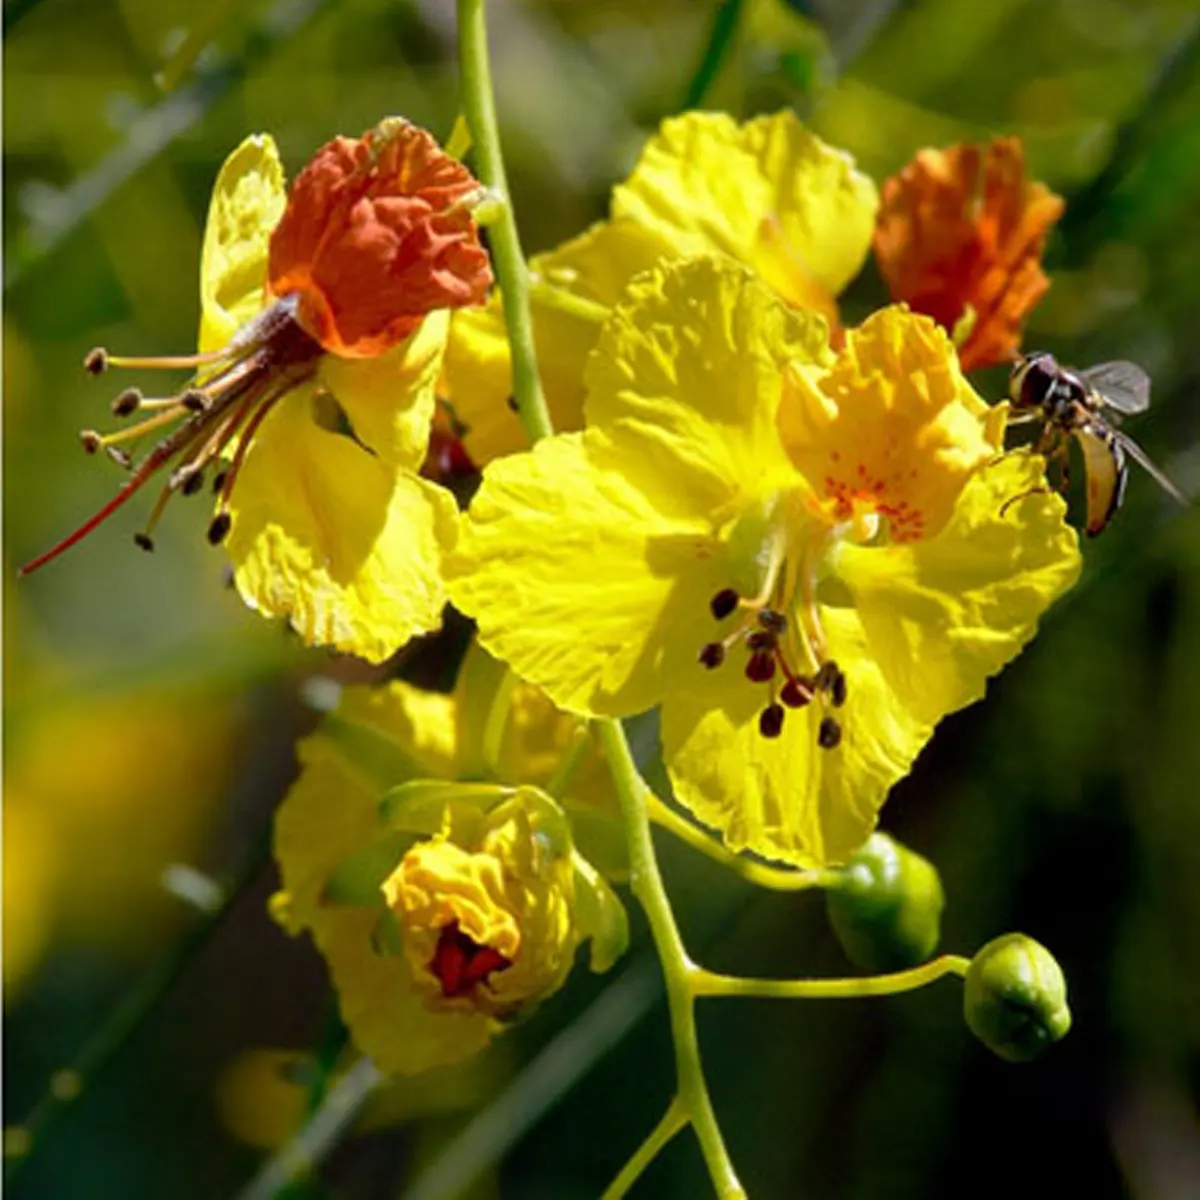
[
  {"x": 486, "y": 902},
  {"x": 324, "y": 316},
  {"x": 767, "y": 192},
  {"x": 742, "y": 491}
]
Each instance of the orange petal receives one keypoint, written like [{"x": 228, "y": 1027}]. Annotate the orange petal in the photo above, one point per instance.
[
  {"x": 965, "y": 227},
  {"x": 377, "y": 232}
]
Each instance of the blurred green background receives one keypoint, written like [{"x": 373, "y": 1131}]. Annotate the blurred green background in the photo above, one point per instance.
[{"x": 150, "y": 719}]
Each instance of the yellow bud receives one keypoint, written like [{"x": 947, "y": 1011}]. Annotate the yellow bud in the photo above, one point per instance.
[
  {"x": 1015, "y": 998},
  {"x": 488, "y": 926},
  {"x": 886, "y": 907}
]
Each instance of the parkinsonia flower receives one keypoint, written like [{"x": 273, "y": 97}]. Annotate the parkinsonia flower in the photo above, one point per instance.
[
  {"x": 443, "y": 910},
  {"x": 960, "y": 236},
  {"x": 799, "y": 556},
  {"x": 324, "y": 316},
  {"x": 766, "y": 192}
]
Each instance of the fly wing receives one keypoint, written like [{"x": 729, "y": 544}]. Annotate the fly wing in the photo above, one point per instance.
[
  {"x": 1122, "y": 385},
  {"x": 1143, "y": 460},
  {"x": 1104, "y": 463}
]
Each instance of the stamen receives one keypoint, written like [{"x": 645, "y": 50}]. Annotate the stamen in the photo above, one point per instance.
[
  {"x": 773, "y": 621},
  {"x": 165, "y": 362},
  {"x": 796, "y": 692},
  {"x": 761, "y": 667},
  {"x": 119, "y": 456},
  {"x": 127, "y": 402},
  {"x": 712, "y": 655},
  {"x": 95, "y": 362},
  {"x": 219, "y": 526},
  {"x": 90, "y": 440},
  {"x": 829, "y": 734},
  {"x": 723, "y": 603},
  {"x": 145, "y": 541},
  {"x": 770, "y": 720}
]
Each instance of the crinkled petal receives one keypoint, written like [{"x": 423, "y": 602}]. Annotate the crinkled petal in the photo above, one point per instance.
[
  {"x": 767, "y": 192},
  {"x": 685, "y": 386},
  {"x": 247, "y": 201},
  {"x": 894, "y": 427},
  {"x": 942, "y": 615},
  {"x": 327, "y": 816},
  {"x": 328, "y": 536},
  {"x": 577, "y": 581},
  {"x": 593, "y": 269},
  {"x": 390, "y": 400}
]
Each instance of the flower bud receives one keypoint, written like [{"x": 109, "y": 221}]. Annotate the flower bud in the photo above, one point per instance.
[
  {"x": 886, "y": 908},
  {"x": 1015, "y": 998}
]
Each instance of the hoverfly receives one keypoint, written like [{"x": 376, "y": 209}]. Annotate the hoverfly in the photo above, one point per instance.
[{"x": 1086, "y": 405}]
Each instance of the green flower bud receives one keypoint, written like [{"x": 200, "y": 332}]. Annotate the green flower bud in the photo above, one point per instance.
[
  {"x": 1015, "y": 998},
  {"x": 886, "y": 907}
]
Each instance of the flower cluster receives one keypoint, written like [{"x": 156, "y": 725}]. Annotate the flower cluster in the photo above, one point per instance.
[{"x": 793, "y": 535}]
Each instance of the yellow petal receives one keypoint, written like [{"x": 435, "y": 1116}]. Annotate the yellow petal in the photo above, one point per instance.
[
  {"x": 942, "y": 615},
  {"x": 587, "y": 275},
  {"x": 326, "y": 535},
  {"x": 893, "y": 427},
  {"x": 247, "y": 201},
  {"x": 390, "y": 399},
  {"x": 421, "y": 723},
  {"x": 575, "y": 579},
  {"x": 767, "y": 192},
  {"x": 325, "y": 818},
  {"x": 786, "y": 798},
  {"x": 685, "y": 386}
]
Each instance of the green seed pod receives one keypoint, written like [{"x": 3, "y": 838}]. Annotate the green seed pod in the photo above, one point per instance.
[
  {"x": 1015, "y": 998},
  {"x": 886, "y": 907}
]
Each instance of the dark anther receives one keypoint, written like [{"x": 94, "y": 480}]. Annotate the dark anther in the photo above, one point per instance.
[
  {"x": 723, "y": 603},
  {"x": 829, "y": 734},
  {"x": 194, "y": 400},
  {"x": 796, "y": 693},
  {"x": 145, "y": 541},
  {"x": 90, "y": 440},
  {"x": 770, "y": 720},
  {"x": 119, "y": 456},
  {"x": 760, "y": 639},
  {"x": 826, "y": 675},
  {"x": 837, "y": 690},
  {"x": 126, "y": 402},
  {"x": 219, "y": 481},
  {"x": 192, "y": 483},
  {"x": 219, "y": 527},
  {"x": 512, "y": 404},
  {"x": 772, "y": 620},
  {"x": 96, "y": 361},
  {"x": 761, "y": 666},
  {"x": 712, "y": 655}
]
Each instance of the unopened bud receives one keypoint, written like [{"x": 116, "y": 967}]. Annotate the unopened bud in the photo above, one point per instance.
[
  {"x": 886, "y": 910},
  {"x": 1015, "y": 998}
]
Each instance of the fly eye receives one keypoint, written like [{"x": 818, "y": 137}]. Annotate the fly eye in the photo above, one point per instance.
[{"x": 1039, "y": 379}]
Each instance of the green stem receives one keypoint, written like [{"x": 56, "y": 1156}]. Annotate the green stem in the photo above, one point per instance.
[
  {"x": 678, "y": 970},
  {"x": 673, "y": 1120},
  {"x": 720, "y": 39},
  {"x": 511, "y": 272},
  {"x": 777, "y": 878},
  {"x": 68, "y": 1084},
  {"x": 706, "y": 983}
]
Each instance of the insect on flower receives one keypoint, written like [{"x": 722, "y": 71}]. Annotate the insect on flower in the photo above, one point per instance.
[{"x": 1086, "y": 405}]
